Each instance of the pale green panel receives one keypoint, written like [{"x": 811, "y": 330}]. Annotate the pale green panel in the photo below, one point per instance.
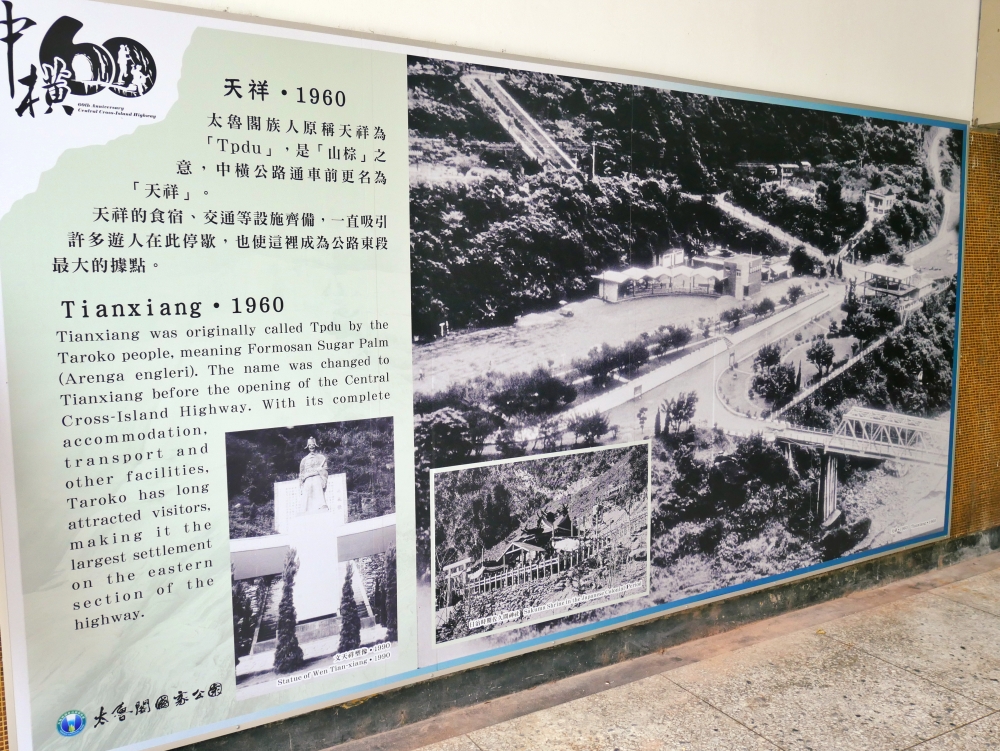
[{"x": 183, "y": 640}]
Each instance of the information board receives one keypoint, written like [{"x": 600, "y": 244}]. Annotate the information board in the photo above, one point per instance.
[{"x": 332, "y": 365}]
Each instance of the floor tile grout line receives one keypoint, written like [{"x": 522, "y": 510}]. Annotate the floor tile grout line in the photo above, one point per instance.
[
  {"x": 915, "y": 674},
  {"x": 947, "y": 732},
  {"x": 724, "y": 713},
  {"x": 921, "y": 676},
  {"x": 991, "y": 709},
  {"x": 959, "y": 602},
  {"x": 822, "y": 623},
  {"x": 931, "y": 590}
]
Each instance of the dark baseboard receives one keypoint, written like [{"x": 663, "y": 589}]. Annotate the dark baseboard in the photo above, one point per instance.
[{"x": 393, "y": 709}]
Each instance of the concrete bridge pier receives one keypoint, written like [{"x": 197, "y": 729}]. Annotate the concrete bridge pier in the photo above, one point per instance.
[{"x": 827, "y": 502}]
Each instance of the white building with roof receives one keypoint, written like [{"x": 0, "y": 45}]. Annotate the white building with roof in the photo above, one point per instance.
[
  {"x": 614, "y": 286},
  {"x": 787, "y": 171},
  {"x": 669, "y": 258},
  {"x": 880, "y": 201},
  {"x": 742, "y": 275},
  {"x": 894, "y": 281}
]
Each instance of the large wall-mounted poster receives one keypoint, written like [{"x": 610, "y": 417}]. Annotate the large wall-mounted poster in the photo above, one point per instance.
[
  {"x": 331, "y": 367},
  {"x": 764, "y": 292}
]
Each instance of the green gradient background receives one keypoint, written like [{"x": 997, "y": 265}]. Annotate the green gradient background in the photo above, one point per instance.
[{"x": 185, "y": 641}]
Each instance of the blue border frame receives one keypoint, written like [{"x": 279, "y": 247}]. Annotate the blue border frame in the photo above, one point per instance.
[{"x": 571, "y": 634}]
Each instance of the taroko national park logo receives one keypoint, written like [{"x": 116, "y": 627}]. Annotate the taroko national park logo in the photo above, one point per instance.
[
  {"x": 71, "y": 723},
  {"x": 68, "y": 67}
]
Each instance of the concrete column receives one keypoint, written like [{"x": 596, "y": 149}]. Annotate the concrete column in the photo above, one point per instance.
[{"x": 828, "y": 511}]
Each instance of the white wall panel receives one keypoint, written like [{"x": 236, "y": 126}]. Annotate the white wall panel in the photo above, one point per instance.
[{"x": 911, "y": 55}]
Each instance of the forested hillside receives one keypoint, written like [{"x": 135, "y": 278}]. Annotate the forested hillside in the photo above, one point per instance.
[
  {"x": 911, "y": 373},
  {"x": 494, "y": 236},
  {"x": 476, "y": 508},
  {"x": 695, "y": 139}
]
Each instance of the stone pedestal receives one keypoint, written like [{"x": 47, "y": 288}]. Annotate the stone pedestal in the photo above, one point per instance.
[
  {"x": 325, "y": 543},
  {"x": 289, "y": 503},
  {"x": 315, "y": 538},
  {"x": 321, "y": 576}
]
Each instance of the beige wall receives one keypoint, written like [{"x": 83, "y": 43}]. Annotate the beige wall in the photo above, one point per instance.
[
  {"x": 911, "y": 55},
  {"x": 987, "y": 105}
]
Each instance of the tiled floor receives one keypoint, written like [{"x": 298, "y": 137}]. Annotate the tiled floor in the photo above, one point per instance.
[{"x": 914, "y": 665}]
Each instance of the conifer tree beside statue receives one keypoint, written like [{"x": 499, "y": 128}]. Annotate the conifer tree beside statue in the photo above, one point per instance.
[
  {"x": 243, "y": 619},
  {"x": 377, "y": 600},
  {"x": 391, "y": 626},
  {"x": 350, "y": 621},
  {"x": 288, "y": 655}
]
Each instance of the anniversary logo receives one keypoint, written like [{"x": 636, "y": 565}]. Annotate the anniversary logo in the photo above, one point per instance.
[{"x": 67, "y": 67}]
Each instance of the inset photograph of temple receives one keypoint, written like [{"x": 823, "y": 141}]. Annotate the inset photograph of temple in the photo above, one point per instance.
[
  {"x": 529, "y": 540},
  {"x": 312, "y": 528}
]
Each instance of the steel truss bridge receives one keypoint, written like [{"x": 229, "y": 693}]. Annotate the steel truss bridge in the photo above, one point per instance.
[
  {"x": 873, "y": 434},
  {"x": 870, "y": 434}
]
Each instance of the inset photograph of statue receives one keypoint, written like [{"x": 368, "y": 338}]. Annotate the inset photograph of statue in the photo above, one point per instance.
[
  {"x": 312, "y": 527},
  {"x": 528, "y": 540}
]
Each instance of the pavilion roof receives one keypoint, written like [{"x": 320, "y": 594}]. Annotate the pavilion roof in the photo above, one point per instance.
[{"x": 899, "y": 273}]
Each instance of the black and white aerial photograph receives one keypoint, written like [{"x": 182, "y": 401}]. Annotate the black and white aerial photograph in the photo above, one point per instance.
[
  {"x": 312, "y": 527},
  {"x": 766, "y": 293},
  {"x": 532, "y": 539}
]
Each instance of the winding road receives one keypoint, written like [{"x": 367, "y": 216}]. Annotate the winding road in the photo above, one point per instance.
[
  {"x": 942, "y": 249},
  {"x": 700, "y": 371},
  {"x": 752, "y": 220},
  {"x": 941, "y": 253}
]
